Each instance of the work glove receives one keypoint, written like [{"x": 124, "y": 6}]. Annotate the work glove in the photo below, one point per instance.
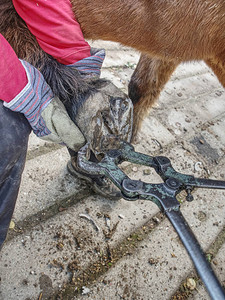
[
  {"x": 90, "y": 67},
  {"x": 45, "y": 113}
]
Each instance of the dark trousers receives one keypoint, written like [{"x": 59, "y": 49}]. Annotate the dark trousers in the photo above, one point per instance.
[{"x": 14, "y": 133}]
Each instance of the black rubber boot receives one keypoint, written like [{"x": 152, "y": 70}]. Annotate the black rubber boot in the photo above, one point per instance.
[{"x": 14, "y": 133}]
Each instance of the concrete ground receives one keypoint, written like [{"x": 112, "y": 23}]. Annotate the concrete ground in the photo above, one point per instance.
[{"x": 53, "y": 253}]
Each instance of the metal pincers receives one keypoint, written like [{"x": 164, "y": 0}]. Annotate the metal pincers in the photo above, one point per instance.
[{"x": 163, "y": 195}]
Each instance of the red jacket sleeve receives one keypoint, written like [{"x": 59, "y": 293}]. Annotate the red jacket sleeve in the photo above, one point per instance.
[
  {"x": 13, "y": 76},
  {"x": 54, "y": 25}
]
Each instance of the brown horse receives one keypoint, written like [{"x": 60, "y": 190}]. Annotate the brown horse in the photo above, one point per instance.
[{"x": 165, "y": 32}]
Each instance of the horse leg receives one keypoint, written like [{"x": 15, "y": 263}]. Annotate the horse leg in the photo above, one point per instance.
[
  {"x": 217, "y": 64},
  {"x": 147, "y": 81}
]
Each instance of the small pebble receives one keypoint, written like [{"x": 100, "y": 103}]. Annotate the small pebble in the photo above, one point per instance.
[
  {"x": 156, "y": 220},
  {"x": 188, "y": 120},
  {"x": 215, "y": 262},
  {"x": 85, "y": 290},
  {"x": 147, "y": 172},
  {"x": 191, "y": 284},
  {"x": 121, "y": 216}
]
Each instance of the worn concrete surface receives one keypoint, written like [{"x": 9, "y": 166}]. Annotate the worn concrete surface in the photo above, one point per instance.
[{"x": 136, "y": 254}]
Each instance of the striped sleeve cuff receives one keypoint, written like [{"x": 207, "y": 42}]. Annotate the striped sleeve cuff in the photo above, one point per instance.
[
  {"x": 33, "y": 99},
  {"x": 91, "y": 66}
]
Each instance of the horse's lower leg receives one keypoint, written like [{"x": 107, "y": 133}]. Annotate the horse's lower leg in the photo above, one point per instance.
[
  {"x": 145, "y": 86},
  {"x": 217, "y": 64}
]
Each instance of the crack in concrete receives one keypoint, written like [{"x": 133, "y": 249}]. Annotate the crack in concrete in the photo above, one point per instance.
[
  {"x": 108, "y": 258},
  {"x": 31, "y": 221}
]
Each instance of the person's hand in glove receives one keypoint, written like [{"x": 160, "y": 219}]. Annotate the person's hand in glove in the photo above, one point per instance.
[{"x": 45, "y": 113}]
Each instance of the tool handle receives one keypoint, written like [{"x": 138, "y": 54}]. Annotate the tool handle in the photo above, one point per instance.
[
  {"x": 197, "y": 255},
  {"x": 210, "y": 183}
]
